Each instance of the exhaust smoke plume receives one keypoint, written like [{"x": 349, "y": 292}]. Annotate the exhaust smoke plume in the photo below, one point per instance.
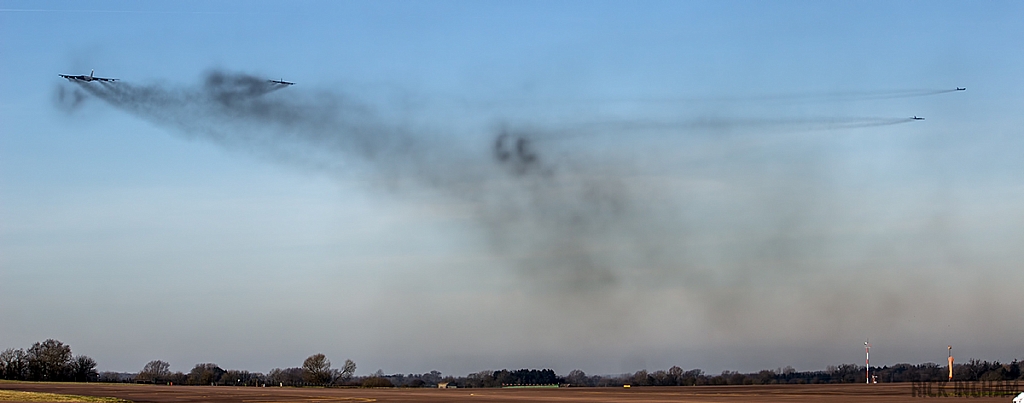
[
  {"x": 68, "y": 99},
  {"x": 553, "y": 218},
  {"x": 728, "y": 215}
]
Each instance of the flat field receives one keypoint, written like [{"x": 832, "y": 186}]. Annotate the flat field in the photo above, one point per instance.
[{"x": 761, "y": 393}]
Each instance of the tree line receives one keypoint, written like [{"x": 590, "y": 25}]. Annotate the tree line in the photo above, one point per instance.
[
  {"x": 973, "y": 370},
  {"x": 51, "y": 360},
  {"x": 315, "y": 371}
]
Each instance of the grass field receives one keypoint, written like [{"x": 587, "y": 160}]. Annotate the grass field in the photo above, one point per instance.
[{"x": 21, "y": 396}]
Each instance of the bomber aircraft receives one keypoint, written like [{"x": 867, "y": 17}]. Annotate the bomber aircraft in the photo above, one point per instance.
[
  {"x": 917, "y": 118},
  {"x": 87, "y": 78},
  {"x": 282, "y": 82},
  {"x": 961, "y": 88}
]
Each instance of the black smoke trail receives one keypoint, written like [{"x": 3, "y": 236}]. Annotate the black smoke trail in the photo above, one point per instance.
[
  {"x": 578, "y": 219},
  {"x": 581, "y": 209}
]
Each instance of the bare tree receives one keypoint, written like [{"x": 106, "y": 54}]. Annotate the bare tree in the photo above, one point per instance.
[
  {"x": 346, "y": 372},
  {"x": 676, "y": 374},
  {"x": 205, "y": 374},
  {"x": 155, "y": 371},
  {"x": 576, "y": 377},
  {"x": 13, "y": 364},
  {"x": 317, "y": 369},
  {"x": 83, "y": 369},
  {"x": 49, "y": 361}
]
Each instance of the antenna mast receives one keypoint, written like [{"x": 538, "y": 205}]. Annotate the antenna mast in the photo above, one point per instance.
[
  {"x": 867, "y": 362},
  {"x": 950, "y": 360}
]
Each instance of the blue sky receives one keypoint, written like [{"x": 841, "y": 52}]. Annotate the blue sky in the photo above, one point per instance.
[{"x": 728, "y": 220}]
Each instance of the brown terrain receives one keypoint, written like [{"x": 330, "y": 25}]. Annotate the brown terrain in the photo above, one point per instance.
[{"x": 692, "y": 394}]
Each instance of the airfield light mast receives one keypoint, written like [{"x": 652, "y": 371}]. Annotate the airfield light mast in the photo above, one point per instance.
[
  {"x": 950, "y": 360},
  {"x": 867, "y": 362}
]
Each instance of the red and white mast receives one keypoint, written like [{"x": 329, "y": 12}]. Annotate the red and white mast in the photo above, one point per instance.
[{"x": 867, "y": 362}]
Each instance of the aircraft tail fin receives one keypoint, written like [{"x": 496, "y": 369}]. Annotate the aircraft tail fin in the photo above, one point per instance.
[{"x": 91, "y": 72}]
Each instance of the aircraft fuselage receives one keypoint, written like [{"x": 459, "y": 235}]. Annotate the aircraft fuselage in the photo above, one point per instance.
[{"x": 87, "y": 78}]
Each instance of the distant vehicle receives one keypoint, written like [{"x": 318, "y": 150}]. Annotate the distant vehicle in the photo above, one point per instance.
[
  {"x": 961, "y": 88},
  {"x": 917, "y": 118},
  {"x": 282, "y": 82},
  {"x": 87, "y": 78}
]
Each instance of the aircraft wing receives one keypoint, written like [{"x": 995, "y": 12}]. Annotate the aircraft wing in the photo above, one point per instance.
[{"x": 87, "y": 78}]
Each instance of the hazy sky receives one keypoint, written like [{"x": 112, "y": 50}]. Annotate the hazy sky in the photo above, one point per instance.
[{"x": 462, "y": 186}]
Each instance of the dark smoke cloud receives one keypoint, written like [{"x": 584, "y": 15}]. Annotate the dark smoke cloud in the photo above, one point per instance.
[
  {"x": 324, "y": 130},
  {"x": 552, "y": 219},
  {"x": 584, "y": 210},
  {"x": 68, "y": 99}
]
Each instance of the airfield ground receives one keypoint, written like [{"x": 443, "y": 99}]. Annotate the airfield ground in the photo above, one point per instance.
[{"x": 846, "y": 393}]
